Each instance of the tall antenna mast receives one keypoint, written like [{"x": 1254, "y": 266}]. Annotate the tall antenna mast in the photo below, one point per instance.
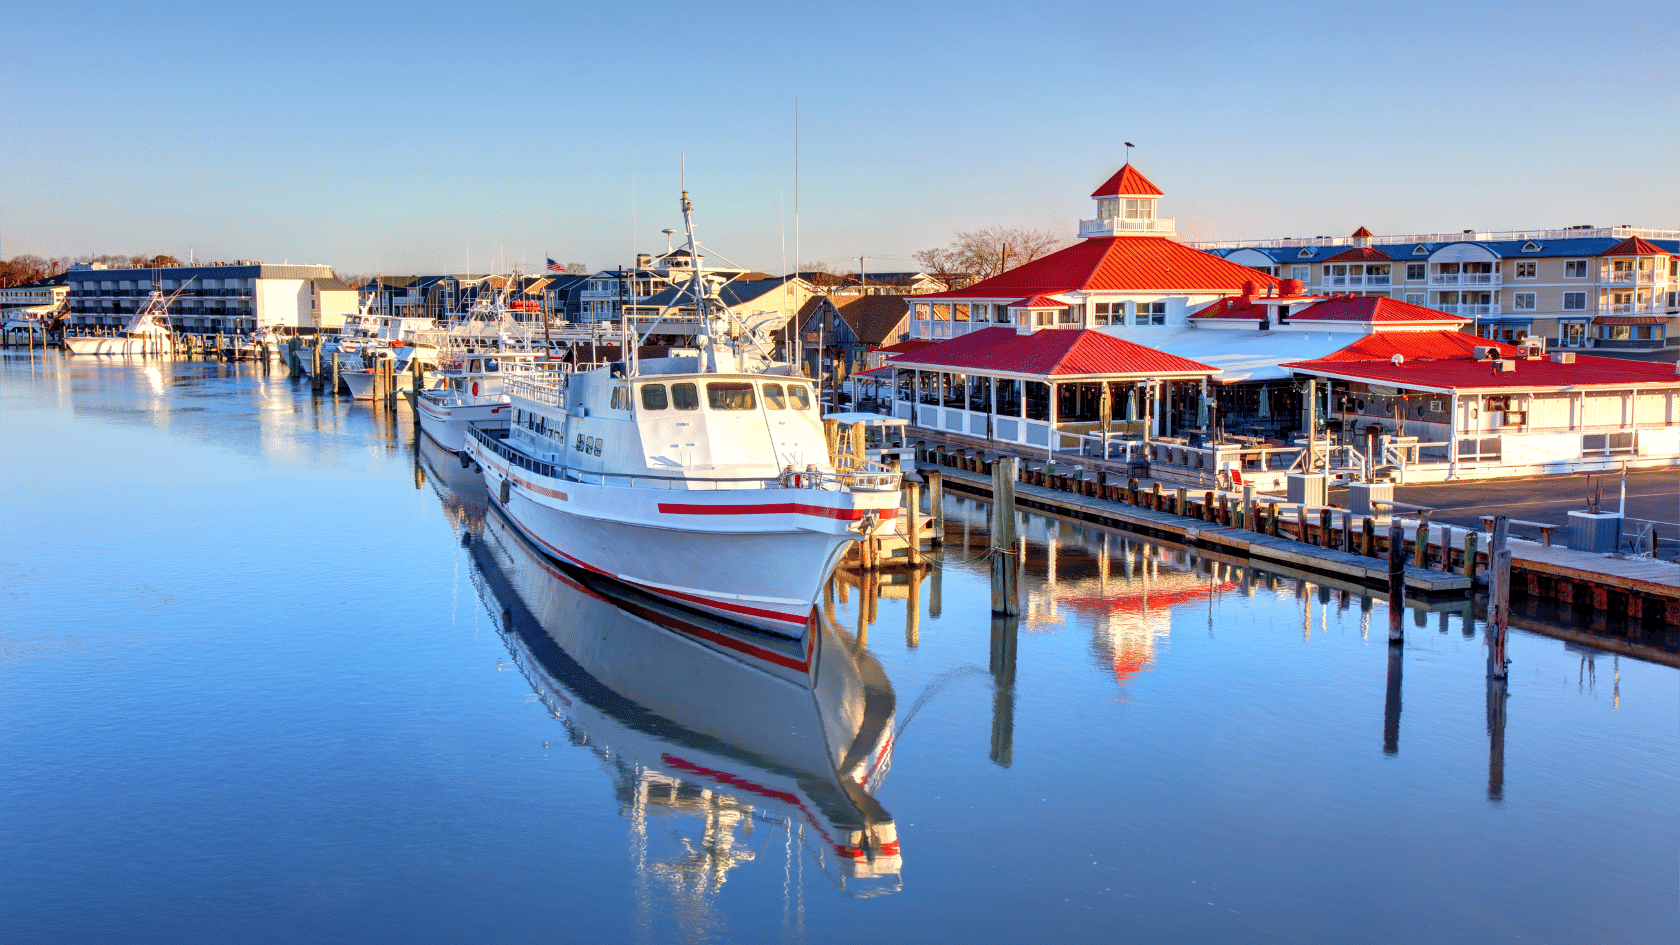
[{"x": 799, "y": 331}]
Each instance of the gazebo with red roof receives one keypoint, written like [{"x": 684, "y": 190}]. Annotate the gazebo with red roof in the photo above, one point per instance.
[{"x": 1038, "y": 388}]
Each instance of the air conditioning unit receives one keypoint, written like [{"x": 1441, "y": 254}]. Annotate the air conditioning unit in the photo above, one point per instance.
[
  {"x": 1504, "y": 365},
  {"x": 1485, "y": 352},
  {"x": 1563, "y": 357},
  {"x": 1536, "y": 351}
]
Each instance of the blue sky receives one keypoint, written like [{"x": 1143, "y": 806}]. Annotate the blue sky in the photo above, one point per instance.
[{"x": 401, "y": 138}]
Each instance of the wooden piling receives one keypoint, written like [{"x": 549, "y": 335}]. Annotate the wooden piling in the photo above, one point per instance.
[
  {"x": 1181, "y": 502},
  {"x": 1421, "y": 543},
  {"x": 1250, "y": 520},
  {"x": 913, "y": 519},
  {"x": 1301, "y": 522},
  {"x": 1326, "y": 529},
  {"x": 1005, "y": 592},
  {"x": 1208, "y": 512},
  {"x": 1396, "y": 582},
  {"x": 936, "y": 499},
  {"x": 1470, "y": 557},
  {"x": 1368, "y": 540},
  {"x": 1272, "y": 519},
  {"x": 1446, "y": 548},
  {"x": 1499, "y": 597}
]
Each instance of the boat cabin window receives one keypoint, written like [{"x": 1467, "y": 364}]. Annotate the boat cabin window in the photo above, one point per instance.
[
  {"x": 726, "y": 396},
  {"x": 490, "y": 365},
  {"x": 653, "y": 397},
  {"x": 800, "y": 395},
  {"x": 774, "y": 399},
  {"x": 472, "y": 366},
  {"x": 685, "y": 396}
]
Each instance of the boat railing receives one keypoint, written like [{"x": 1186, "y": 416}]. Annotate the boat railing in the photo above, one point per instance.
[{"x": 864, "y": 476}]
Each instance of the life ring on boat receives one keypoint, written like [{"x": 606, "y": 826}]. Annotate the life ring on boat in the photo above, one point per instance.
[{"x": 475, "y": 388}]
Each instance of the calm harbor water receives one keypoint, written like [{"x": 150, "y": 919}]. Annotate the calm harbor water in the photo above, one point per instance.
[{"x": 254, "y": 687}]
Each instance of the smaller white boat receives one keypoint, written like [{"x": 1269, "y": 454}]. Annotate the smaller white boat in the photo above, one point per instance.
[
  {"x": 468, "y": 385},
  {"x": 147, "y": 332}
]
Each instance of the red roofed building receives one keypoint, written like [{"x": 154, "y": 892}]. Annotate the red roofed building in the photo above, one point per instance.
[
  {"x": 1029, "y": 388},
  {"x": 1456, "y": 406},
  {"x": 1126, "y": 270}
]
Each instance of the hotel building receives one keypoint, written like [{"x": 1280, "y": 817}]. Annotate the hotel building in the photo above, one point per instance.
[{"x": 243, "y": 297}]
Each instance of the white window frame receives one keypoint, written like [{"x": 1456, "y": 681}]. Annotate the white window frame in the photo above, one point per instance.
[
  {"x": 1300, "y": 274},
  {"x": 1526, "y": 269},
  {"x": 1575, "y": 264},
  {"x": 1574, "y": 308},
  {"x": 1417, "y": 272},
  {"x": 1518, "y": 298}
]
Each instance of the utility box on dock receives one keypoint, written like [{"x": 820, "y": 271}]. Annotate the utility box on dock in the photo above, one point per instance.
[
  {"x": 1310, "y": 490},
  {"x": 1362, "y": 494},
  {"x": 1599, "y": 532}
]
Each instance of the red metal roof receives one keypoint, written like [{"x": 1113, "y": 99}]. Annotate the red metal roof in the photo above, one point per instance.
[
  {"x": 1360, "y": 254},
  {"x": 1054, "y": 352},
  {"x": 1442, "y": 360},
  {"x": 1420, "y": 345},
  {"x": 1363, "y": 234},
  {"x": 1038, "y": 301},
  {"x": 1127, "y": 182},
  {"x": 1116, "y": 264},
  {"x": 1634, "y": 246},
  {"x": 1372, "y": 310},
  {"x": 905, "y": 346}
]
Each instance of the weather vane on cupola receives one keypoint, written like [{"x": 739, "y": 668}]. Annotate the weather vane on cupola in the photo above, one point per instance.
[{"x": 1129, "y": 147}]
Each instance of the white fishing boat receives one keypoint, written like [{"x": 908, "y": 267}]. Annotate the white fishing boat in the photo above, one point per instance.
[
  {"x": 702, "y": 717},
  {"x": 467, "y": 386},
  {"x": 146, "y": 333},
  {"x": 706, "y": 479},
  {"x": 396, "y": 338}
]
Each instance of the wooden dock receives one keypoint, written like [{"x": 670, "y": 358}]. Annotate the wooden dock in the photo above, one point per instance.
[{"x": 1641, "y": 592}]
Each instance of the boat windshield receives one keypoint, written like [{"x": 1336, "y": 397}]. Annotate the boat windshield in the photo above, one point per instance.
[
  {"x": 800, "y": 395},
  {"x": 730, "y": 396},
  {"x": 774, "y": 399}
]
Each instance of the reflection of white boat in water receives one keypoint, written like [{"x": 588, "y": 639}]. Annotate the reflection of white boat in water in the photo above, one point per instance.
[
  {"x": 461, "y": 490},
  {"x": 698, "y": 716}
]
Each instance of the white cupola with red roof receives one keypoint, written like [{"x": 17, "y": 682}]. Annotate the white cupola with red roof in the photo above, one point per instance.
[{"x": 1126, "y": 207}]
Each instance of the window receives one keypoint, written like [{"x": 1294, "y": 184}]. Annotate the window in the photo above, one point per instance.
[
  {"x": 1523, "y": 302},
  {"x": 1140, "y": 209},
  {"x": 1414, "y": 298},
  {"x": 1150, "y": 313},
  {"x": 980, "y": 394},
  {"x": 1299, "y": 273},
  {"x": 1038, "y": 401},
  {"x": 800, "y": 395},
  {"x": 1526, "y": 268},
  {"x": 1573, "y": 334},
  {"x": 1574, "y": 268},
  {"x": 653, "y": 397},
  {"x": 1046, "y": 317},
  {"x": 1000, "y": 314},
  {"x": 1614, "y": 332},
  {"x": 723, "y": 395},
  {"x": 1008, "y": 397},
  {"x": 927, "y": 385},
  {"x": 774, "y": 399},
  {"x": 1100, "y": 316},
  {"x": 1416, "y": 272},
  {"x": 1642, "y": 333},
  {"x": 1070, "y": 315},
  {"x": 956, "y": 390},
  {"x": 685, "y": 396},
  {"x": 1574, "y": 301}
]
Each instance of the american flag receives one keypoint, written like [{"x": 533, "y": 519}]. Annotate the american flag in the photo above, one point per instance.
[{"x": 554, "y": 266}]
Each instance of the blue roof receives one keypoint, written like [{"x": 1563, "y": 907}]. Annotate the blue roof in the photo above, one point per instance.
[{"x": 1505, "y": 249}]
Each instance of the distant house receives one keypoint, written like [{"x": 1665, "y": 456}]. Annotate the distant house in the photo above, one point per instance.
[
  {"x": 40, "y": 294},
  {"x": 850, "y": 326},
  {"x": 673, "y": 308}
]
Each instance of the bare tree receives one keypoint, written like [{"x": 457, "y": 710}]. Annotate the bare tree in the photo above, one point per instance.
[
  {"x": 942, "y": 264},
  {"x": 577, "y": 269},
  {"x": 985, "y": 253},
  {"x": 822, "y": 277}
]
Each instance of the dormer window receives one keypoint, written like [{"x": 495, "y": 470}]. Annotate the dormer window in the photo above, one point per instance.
[
  {"x": 1531, "y": 247},
  {"x": 1420, "y": 250},
  {"x": 1307, "y": 252}
]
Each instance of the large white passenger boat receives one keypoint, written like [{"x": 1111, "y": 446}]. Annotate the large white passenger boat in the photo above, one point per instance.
[
  {"x": 705, "y": 479},
  {"x": 146, "y": 333}
]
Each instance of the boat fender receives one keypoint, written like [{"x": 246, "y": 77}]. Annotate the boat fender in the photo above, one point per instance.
[
  {"x": 507, "y": 491},
  {"x": 477, "y": 468},
  {"x": 465, "y": 460},
  {"x": 475, "y": 388}
]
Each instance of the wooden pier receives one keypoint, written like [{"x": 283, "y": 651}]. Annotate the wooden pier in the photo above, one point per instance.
[{"x": 1642, "y": 592}]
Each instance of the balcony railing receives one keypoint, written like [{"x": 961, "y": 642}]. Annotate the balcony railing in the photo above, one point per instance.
[
  {"x": 1629, "y": 277},
  {"x": 1464, "y": 278},
  {"x": 924, "y": 329},
  {"x": 1339, "y": 281},
  {"x": 1468, "y": 308},
  {"x": 1636, "y": 308},
  {"x": 1117, "y": 227}
]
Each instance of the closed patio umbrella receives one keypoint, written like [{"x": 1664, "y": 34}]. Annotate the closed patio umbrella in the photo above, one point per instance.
[
  {"x": 1202, "y": 410},
  {"x": 1265, "y": 403},
  {"x": 1106, "y": 410}
]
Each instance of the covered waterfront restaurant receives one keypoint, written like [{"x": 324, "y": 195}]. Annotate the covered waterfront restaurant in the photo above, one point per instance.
[{"x": 1056, "y": 390}]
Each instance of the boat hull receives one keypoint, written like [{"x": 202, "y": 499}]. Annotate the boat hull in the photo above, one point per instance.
[
  {"x": 447, "y": 425},
  {"x": 759, "y": 557},
  {"x": 119, "y": 346}
]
